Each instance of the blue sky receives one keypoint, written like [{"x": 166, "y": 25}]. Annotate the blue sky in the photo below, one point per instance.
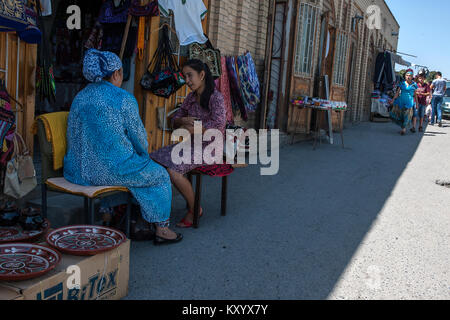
[{"x": 424, "y": 32}]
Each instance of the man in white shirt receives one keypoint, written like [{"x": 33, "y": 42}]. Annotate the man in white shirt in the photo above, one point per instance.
[{"x": 438, "y": 87}]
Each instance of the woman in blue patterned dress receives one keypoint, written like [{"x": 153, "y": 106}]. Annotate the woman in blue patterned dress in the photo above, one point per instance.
[
  {"x": 107, "y": 143},
  {"x": 405, "y": 101}
]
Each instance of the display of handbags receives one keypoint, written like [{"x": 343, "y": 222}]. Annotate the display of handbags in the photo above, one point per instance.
[
  {"x": 20, "y": 178},
  {"x": 163, "y": 76}
]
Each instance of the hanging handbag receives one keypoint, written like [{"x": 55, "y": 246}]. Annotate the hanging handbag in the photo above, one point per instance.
[
  {"x": 163, "y": 76},
  {"x": 109, "y": 13},
  {"x": 207, "y": 54},
  {"x": 20, "y": 177}
]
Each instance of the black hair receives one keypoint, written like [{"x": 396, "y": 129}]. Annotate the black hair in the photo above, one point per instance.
[
  {"x": 210, "y": 85},
  {"x": 439, "y": 73}
]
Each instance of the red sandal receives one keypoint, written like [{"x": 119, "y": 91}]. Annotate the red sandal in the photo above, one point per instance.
[{"x": 184, "y": 224}]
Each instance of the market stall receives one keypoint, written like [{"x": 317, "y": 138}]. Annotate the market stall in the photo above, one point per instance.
[
  {"x": 385, "y": 81},
  {"x": 33, "y": 258},
  {"x": 325, "y": 109}
]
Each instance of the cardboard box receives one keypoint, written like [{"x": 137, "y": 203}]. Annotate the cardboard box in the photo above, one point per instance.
[{"x": 104, "y": 277}]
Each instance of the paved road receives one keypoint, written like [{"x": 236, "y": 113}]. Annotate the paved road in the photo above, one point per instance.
[{"x": 367, "y": 222}]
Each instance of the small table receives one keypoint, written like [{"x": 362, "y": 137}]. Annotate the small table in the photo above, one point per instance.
[{"x": 320, "y": 116}]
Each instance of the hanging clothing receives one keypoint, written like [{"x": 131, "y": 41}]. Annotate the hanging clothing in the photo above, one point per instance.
[
  {"x": 223, "y": 85},
  {"x": 107, "y": 145},
  {"x": 384, "y": 71},
  {"x": 46, "y": 8},
  {"x": 215, "y": 118},
  {"x": 13, "y": 16},
  {"x": 68, "y": 46},
  {"x": 237, "y": 100},
  {"x": 188, "y": 19},
  {"x": 249, "y": 83}
]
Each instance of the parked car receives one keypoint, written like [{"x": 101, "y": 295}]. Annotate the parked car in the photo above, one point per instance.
[
  {"x": 446, "y": 102},
  {"x": 446, "y": 107}
]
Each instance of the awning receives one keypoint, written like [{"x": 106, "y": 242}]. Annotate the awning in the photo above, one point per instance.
[{"x": 399, "y": 60}]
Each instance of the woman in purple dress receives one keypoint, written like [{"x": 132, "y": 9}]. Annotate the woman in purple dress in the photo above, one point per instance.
[{"x": 206, "y": 104}]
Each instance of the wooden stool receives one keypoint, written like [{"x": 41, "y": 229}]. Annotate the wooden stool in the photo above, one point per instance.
[{"x": 198, "y": 190}]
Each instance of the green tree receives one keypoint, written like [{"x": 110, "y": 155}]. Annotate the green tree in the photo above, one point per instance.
[
  {"x": 431, "y": 76},
  {"x": 402, "y": 73}
]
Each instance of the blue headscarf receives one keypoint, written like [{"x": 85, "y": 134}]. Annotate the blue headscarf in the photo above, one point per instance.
[{"x": 100, "y": 64}]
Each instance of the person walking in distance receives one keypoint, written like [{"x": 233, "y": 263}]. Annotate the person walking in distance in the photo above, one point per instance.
[
  {"x": 438, "y": 87},
  {"x": 423, "y": 92}
]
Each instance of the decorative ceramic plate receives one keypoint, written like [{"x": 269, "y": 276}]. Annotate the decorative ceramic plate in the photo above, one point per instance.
[
  {"x": 17, "y": 234},
  {"x": 85, "y": 240},
  {"x": 23, "y": 261}
]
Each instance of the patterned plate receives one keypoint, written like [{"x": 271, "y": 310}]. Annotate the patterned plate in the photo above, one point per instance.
[
  {"x": 17, "y": 234},
  {"x": 23, "y": 261},
  {"x": 85, "y": 240}
]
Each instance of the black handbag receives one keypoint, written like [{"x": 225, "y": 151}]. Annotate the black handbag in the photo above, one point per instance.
[{"x": 163, "y": 76}]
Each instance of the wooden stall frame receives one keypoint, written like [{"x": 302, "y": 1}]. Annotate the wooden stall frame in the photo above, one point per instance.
[{"x": 148, "y": 103}]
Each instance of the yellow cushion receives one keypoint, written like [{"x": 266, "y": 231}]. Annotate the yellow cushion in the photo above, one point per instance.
[
  {"x": 63, "y": 185},
  {"x": 55, "y": 130}
]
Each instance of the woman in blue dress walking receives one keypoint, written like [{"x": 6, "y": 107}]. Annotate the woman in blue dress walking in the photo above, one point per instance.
[{"x": 405, "y": 101}]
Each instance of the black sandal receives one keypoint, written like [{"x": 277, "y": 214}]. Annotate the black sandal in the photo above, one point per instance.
[{"x": 158, "y": 241}]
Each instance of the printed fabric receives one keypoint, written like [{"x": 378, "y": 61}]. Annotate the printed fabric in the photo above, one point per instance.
[
  {"x": 249, "y": 83},
  {"x": 236, "y": 97},
  {"x": 223, "y": 85},
  {"x": 100, "y": 64},
  {"x": 401, "y": 116},
  {"x": 215, "y": 118}
]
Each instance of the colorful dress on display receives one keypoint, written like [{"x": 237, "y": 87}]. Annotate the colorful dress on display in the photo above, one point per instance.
[
  {"x": 403, "y": 110},
  {"x": 249, "y": 82},
  {"x": 223, "y": 85},
  {"x": 107, "y": 146},
  {"x": 215, "y": 118},
  {"x": 236, "y": 96}
]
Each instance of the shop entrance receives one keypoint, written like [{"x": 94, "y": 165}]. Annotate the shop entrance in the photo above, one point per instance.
[{"x": 64, "y": 49}]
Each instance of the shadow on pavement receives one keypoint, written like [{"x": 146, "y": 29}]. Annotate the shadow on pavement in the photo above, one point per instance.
[{"x": 288, "y": 236}]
